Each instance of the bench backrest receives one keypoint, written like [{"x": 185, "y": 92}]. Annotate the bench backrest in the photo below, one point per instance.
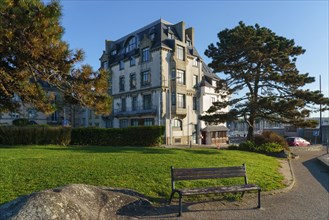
[{"x": 208, "y": 173}]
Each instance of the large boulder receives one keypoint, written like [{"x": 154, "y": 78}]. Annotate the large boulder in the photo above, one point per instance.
[{"x": 76, "y": 201}]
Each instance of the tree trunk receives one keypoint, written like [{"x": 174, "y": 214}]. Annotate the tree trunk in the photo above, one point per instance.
[
  {"x": 251, "y": 123},
  {"x": 250, "y": 135}
]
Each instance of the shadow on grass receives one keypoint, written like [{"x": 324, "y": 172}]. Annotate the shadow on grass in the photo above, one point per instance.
[{"x": 109, "y": 149}]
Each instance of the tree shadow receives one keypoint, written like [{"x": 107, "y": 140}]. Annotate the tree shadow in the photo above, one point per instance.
[
  {"x": 113, "y": 150},
  {"x": 135, "y": 209},
  {"x": 319, "y": 172}
]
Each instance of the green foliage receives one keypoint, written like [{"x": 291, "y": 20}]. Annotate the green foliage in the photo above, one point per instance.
[
  {"x": 268, "y": 148},
  {"x": 26, "y": 135},
  {"x": 233, "y": 147},
  {"x": 131, "y": 136},
  {"x": 21, "y": 122},
  {"x": 256, "y": 59},
  {"x": 270, "y": 137},
  {"x": 27, "y": 169},
  {"x": 34, "y": 60},
  {"x": 248, "y": 146}
]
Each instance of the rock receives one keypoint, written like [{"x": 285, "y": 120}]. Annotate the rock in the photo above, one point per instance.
[{"x": 76, "y": 201}]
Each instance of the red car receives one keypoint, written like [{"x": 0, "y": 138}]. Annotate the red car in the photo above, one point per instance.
[{"x": 297, "y": 141}]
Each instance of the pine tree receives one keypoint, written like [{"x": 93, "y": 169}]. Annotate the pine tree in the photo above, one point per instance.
[
  {"x": 261, "y": 79},
  {"x": 33, "y": 56}
]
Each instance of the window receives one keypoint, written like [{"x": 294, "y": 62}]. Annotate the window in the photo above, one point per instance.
[
  {"x": 173, "y": 98},
  {"x": 195, "y": 61},
  {"x": 32, "y": 113},
  {"x": 195, "y": 80},
  {"x": 181, "y": 77},
  {"x": 152, "y": 35},
  {"x": 173, "y": 73},
  {"x": 178, "y": 124},
  {"x": 171, "y": 36},
  {"x": 148, "y": 121},
  {"x": 146, "y": 55},
  {"x": 195, "y": 105},
  {"x": 90, "y": 113},
  {"x": 105, "y": 65},
  {"x": 132, "y": 61},
  {"x": 121, "y": 65},
  {"x": 180, "y": 52},
  {"x": 189, "y": 43},
  {"x": 134, "y": 122},
  {"x": 147, "y": 102},
  {"x": 134, "y": 103},
  {"x": 113, "y": 52},
  {"x": 123, "y": 123},
  {"x": 133, "y": 81},
  {"x": 181, "y": 100},
  {"x": 54, "y": 116},
  {"x": 213, "y": 99},
  {"x": 123, "y": 104},
  {"x": 131, "y": 44},
  {"x": 146, "y": 78},
  {"x": 122, "y": 83}
]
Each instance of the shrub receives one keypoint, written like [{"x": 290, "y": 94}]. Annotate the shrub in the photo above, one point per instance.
[
  {"x": 269, "y": 148},
  {"x": 20, "y": 122},
  {"x": 233, "y": 147},
  {"x": 270, "y": 137},
  {"x": 247, "y": 146},
  {"x": 12, "y": 135},
  {"x": 131, "y": 136}
]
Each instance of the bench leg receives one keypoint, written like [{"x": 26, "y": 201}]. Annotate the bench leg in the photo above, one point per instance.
[
  {"x": 171, "y": 197},
  {"x": 259, "y": 205},
  {"x": 180, "y": 205}
]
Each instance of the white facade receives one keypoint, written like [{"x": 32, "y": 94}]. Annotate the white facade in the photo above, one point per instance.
[{"x": 155, "y": 80}]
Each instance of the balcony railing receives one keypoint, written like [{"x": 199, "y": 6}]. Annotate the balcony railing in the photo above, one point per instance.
[{"x": 138, "y": 111}]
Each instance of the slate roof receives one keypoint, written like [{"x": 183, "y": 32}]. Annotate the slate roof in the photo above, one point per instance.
[
  {"x": 159, "y": 28},
  {"x": 211, "y": 128}
]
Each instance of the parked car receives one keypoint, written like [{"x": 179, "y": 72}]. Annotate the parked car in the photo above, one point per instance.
[{"x": 297, "y": 141}]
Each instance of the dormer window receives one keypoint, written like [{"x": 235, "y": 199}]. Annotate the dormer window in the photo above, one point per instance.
[
  {"x": 114, "y": 52},
  {"x": 171, "y": 36},
  {"x": 189, "y": 43},
  {"x": 131, "y": 44},
  {"x": 152, "y": 36}
]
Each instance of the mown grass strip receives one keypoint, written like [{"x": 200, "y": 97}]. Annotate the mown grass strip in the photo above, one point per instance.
[{"x": 26, "y": 169}]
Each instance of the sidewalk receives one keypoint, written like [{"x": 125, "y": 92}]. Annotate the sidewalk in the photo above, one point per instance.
[{"x": 324, "y": 159}]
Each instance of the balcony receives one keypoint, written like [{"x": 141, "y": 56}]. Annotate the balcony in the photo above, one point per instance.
[{"x": 138, "y": 111}]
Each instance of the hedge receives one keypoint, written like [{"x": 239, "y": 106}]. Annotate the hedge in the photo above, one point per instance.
[
  {"x": 16, "y": 135},
  {"x": 131, "y": 136}
]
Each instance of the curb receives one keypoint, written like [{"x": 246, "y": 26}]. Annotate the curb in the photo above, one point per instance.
[{"x": 286, "y": 189}]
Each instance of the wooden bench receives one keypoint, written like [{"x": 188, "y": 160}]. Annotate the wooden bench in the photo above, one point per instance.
[{"x": 210, "y": 173}]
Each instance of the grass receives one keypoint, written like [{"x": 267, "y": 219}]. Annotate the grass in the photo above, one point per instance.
[{"x": 26, "y": 169}]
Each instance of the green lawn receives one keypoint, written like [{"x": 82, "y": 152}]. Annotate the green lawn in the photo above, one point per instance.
[{"x": 26, "y": 169}]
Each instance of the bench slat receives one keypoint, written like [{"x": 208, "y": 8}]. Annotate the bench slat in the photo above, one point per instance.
[
  {"x": 219, "y": 189},
  {"x": 208, "y": 173},
  {"x": 208, "y": 169}
]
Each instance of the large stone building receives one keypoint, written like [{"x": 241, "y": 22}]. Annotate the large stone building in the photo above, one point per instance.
[{"x": 157, "y": 79}]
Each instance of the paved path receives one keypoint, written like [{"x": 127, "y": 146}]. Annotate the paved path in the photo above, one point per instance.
[{"x": 307, "y": 200}]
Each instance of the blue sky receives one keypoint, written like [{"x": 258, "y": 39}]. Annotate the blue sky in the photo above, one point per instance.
[{"x": 89, "y": 23}]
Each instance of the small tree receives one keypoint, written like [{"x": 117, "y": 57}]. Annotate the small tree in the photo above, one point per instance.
[
  {"x": 261, "y": 67},
  {"x": 34, "y": 57}
]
